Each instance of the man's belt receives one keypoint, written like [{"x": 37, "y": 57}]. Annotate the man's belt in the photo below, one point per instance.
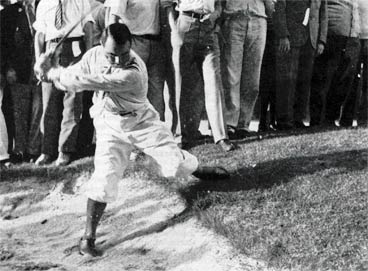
[
  {"x": 194, "y": 15},
  {"x": 149, "y": 37},
  {"x": 57, "y": 40}
]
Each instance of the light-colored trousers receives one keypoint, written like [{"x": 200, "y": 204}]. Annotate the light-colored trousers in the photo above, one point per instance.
[
  {"x": 3, "y": 133},
  {"x": 118, "y": 135},
  {"x": 242, "y": 54}
]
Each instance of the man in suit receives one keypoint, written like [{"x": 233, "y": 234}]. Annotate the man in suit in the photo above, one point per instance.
[
  {"x": 301, "y": 33},
  {"x": 22, "y": 101}
]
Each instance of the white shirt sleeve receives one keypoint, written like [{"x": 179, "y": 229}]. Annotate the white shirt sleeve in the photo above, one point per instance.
[
  {"x": 40, "y": 24},
  {"x": 117, "y": 7},
  {"x": 86, "y": 7}
]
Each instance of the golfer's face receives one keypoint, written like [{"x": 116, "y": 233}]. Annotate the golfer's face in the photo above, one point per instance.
[{"x": 115, "y": 53}]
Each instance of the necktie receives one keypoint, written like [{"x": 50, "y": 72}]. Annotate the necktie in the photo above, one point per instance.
[{"x": 59, "y": 20}]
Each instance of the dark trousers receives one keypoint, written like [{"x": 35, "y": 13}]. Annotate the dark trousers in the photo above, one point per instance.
[
  {"x": 332, "y": 81},
  {"x": 61, "y": 110},
  {"x": 267, "y": 90},
  {"x": 170, "y": 77},
  {"x": 361, "y": 84},
  {"x": 293, "y": 78}
]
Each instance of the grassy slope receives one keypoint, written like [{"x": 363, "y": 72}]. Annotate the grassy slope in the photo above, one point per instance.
[
  {"x": 299, "y": 202},
  {"x": 295, "y": 201}
]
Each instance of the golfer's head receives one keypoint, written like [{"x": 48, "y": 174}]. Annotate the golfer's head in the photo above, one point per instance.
[{"x": 116, "y": 41}]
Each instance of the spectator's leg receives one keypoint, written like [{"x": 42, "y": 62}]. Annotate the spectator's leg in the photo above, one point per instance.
[
  {"x": 234, "y": 31},
  {"x": 363, "y": 108},
  {"x": 191, "y": 96},
  {"x": 339, "y": 67},
  {"x": 156, "y": 77},
  {"x": 305, "y": 71},
  {"x": 213, "y": 90},
  {"x": 267, "y": 81},
  {"x": 86, "y": 129},
  {"x": 35, "y": 136},
  {"x": 254, "y": 45},
  {"x": 73, "y": 108},
  {"x": 348, "y": 106},
  {"x": 70, "y": 123},
  {"x": 21, "y": 95},
  {"x": 52, "y": 101},
  {"x": 286, "y": 75}
]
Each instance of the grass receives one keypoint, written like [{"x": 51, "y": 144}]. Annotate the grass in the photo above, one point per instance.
[
  {"x": 298, "y": 202},
  {"x": 295, "y": 201}
]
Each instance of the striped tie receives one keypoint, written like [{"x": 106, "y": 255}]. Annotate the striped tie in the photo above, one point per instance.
[{"x": 59, "y": 22}]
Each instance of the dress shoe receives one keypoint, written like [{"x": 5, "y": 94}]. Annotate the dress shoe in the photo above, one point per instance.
[
  {"x": 284, "y": 127},
  {"x": 236, "y": 133},
  {"x": 88, "y": 247},
  {"x": 44, "y": 159},
  {"x": 226, "y": 145},
  {"x": 63, "y": 159},
  {"x": 16, "y": 157},
  {"x": 211, "y": 173}
]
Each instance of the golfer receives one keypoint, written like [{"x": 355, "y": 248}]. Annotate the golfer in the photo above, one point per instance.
[{"x": 123, "y": 118}]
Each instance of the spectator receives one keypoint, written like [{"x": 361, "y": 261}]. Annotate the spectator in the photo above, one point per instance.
[
  {"x": 267, "y": 90},
  {"x": 301, "y": 32},
  {"x": 244, "y": 30},
  {"x": 24, "y": 106},
  {"x": 334, "y": 71},
  {"x": 53, "y": 19},
  {"x": 195, "y": 43}
]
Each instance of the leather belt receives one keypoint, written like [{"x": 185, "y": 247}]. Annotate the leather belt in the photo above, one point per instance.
[
  {"x": 194, "y": 14},
  {"x": 149, "y": 37},
  {"x": 56, "y": 40}
]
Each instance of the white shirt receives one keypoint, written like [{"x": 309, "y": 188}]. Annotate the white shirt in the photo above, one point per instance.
[
  {"x": 198, "y": 6},
  {"x": 125, "y": 87},
  {"x": 73, "y": 11},
  {"x": 141, "y": 16}
]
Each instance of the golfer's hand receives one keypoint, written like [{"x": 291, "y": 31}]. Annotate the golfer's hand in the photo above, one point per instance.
[
  {"x": 284, "y": 45},
  {"x": 43, "y": 65}
]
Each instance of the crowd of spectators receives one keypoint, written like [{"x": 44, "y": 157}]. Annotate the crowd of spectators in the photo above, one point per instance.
[{"x": 304, "y": 61}]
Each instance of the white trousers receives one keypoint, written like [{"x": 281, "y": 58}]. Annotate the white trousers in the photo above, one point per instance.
[
  {"x": 117, "y": 136},
  {"x": 3, "y": 133}
]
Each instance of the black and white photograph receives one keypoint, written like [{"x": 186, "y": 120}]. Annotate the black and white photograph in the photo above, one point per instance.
[{"x": 184, "y": 135}]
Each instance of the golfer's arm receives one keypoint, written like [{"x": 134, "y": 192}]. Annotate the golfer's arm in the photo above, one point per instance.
[{"x": 71, "y": 80}]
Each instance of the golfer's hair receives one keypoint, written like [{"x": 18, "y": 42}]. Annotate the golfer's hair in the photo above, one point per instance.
[{"x": 120, "y": 33}]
